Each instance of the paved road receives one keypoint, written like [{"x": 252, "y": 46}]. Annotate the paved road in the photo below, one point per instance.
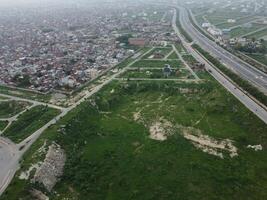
[
  {"x": 250, "y": 103},
  {"x": 8, "y": 162},
  {"x": 255, "y": 76}
]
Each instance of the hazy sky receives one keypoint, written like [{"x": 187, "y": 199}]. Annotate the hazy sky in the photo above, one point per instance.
[{"x": 31, "y": 2}]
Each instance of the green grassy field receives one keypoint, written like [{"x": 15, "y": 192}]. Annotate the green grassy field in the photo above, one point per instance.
[
  {"x": 158, "y": 63},
  {"x": 157, "y": 73},
  {"x": 11, "y": 108},
  {"x": 241, "y": 30},
  {"x": 173, "y": 56},
  {"x": 29, "y": 122},
  {"x": 222, "y": 15},
  {"x": 259, "y": 57},
  {"x": 239, "y": 21},
  {"x": 189, "y": 59},
  {"x": 110, "y": 154},
  {"x": 25, "y": 94},
  {"x": 258, "y": 34},
  {"x": 3, "y": 125}
]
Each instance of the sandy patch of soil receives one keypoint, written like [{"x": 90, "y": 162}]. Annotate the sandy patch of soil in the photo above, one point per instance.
[
  {"x": 160, "y": 130},
  {"x": 137, "y": 115},
  {"x": 25, "y": 175},
  {"x": 208, "y": 144},
  {"x": 255, "y": 147}
]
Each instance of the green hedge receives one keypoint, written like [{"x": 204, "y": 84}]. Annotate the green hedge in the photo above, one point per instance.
[{"x": 244, "y": 84}]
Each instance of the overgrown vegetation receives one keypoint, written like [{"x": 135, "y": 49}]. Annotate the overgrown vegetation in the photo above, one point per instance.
[
  {"x": 25, "y": 93},
  {"x": 157, "y": 74},
  {"x": 11, "y": 108},
  {"x": 158, "y": 63},
  {"x": 29, "y": 122},
  {"x": 3, "y": 125},
  {"x": 110, "y": 156}
]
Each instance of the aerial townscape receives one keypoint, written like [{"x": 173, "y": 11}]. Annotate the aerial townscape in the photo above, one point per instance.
[{"x": 133, "y": 99}]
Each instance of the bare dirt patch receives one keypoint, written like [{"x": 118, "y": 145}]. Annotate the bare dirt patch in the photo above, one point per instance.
[
  {"x": 208, "y": 144},
  {"x": 52, "y": 167},
  {"x": 160, "y": 130},
  {"x": 137, "y": 115},
  {"x": 25, "y": 175},
  {"x": 255, "y": 147}
]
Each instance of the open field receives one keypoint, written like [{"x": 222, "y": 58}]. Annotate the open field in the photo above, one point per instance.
[
  {"x": 3, "y": 124},
  {"x": 258, "y": 34},
  {"x": 25, "y": 94},
  {"x": 239, "y": 21},
  {"x": 163, "y": 51},
  {"x": 222, "y": 15},
  {"x": 239, "y": 31},
  {"x": 173, "y": 56},
  {"x": 180, "y": 48},
  {"x": 158, "y": 63},
  {"x": 189, "y": 59},
  {"x": 157, "y": 73},
  {"x": 259, "y": 57},
  {"x": 29, "y": 122},
  {"x": 113, "y": 151},
  {"x": 11, "y": 108}
]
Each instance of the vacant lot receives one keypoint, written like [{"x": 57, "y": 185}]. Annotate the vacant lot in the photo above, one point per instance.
[
  {"x": 239, "y": 21},
  {"x": 239, "y": 31},
  {"x": 25, "y": 94},
  {"x": 157, "y": 63},
  {"x": 258, "y": 34},
  {"x": 11, "y": 108},
  {"x": 259, "y": 57},
  {"x": 162, "y": 51},
  {"x": 157, "y": 73},
  {"x": 3, "y": 124},
  {"x": 136, "y": 141},
  {"x": 28, "y": 122},
  {"x": 173, "y": 56}
]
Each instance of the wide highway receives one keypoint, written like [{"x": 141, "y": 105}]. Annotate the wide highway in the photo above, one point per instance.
[
  {"x": 250, "y": 103},
  {"x": 248, "y": 72}
]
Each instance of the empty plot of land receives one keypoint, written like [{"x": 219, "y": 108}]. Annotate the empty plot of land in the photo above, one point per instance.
[
  {"x": 158, "y": 63},
  {"x": 30, "y": 121},
  {"x": 262, "y": 58},
  {"x": 157, "y": 74},
  {"x": 24, "y": 93},
  {"x": 258, "y": 34},
  {"x": 158, "y": 53},
  {"x": 239, "y": 31},
  {"x": 11, "y": 108},
  {"x": 3, "y": 124},
  {"x": 239, "y": 21}
]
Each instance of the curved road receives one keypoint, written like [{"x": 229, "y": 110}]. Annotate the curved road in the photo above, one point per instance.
[
  {"x": 248, "y": 72},
  {"x": 250, "y": 103}
]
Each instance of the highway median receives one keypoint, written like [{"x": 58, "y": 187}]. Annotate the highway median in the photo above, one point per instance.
[{"x": 245, "y": 85}]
